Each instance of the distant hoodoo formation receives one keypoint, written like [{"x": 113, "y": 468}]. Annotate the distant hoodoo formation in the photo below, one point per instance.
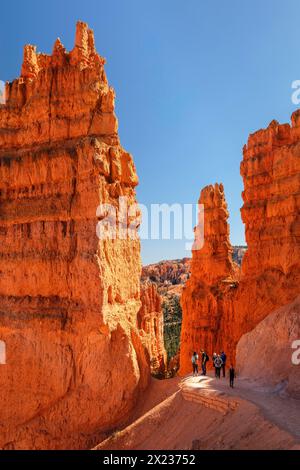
[
  {"x": 151, "y": 326},
  {"x": 75, "y": 362},
  {"x": 220, "y": 302}
]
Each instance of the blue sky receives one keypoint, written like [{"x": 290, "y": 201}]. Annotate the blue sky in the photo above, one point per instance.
[{"x": 193, "y": 78}]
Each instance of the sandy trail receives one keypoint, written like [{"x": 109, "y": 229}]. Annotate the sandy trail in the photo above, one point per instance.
[
  {"x": 165, "y": 419},
  {"x": 282, "y": 410}
]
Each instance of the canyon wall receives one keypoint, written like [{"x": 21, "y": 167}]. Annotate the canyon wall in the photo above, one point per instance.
[
  {"x": 151, "y": 326},
  {"x": 216, "y": 317},
  {"x": 265, "y": 355},
  {"x": 270, "y": 275},
  {"x": 75, "y": 363}
]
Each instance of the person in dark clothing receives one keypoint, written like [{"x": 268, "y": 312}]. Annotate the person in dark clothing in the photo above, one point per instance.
[
  {"x": 231, "y": 375},
  {"x": 204, "y": 360},
  {"x": 223, "y": 357}
]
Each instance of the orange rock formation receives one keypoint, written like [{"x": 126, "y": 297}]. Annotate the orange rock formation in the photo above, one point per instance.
[
  {"x": 151, "y": 324},
  {"x": 213, "y": 276},
  {"x": 69, "y": 301},
  {"x": 270, "y": 169},
  {"x": 219, "y": 304}
]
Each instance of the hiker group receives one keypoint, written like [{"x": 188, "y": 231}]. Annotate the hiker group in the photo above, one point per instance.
[{"x": 219, "y": 363}]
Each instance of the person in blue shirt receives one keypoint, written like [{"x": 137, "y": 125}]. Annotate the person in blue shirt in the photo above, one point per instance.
[{"x": 223, "y": 357}]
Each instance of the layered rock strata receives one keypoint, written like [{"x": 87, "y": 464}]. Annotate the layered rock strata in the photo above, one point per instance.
[
  {"x": 75, "y": 363},
  {"x": 216, "y": 318},
  {"x": 270, "y": 275},
  {"x": 151, "y": 324}
]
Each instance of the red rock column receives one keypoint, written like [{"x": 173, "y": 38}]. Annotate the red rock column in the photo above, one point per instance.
[
  {"x": 213, "y": 274},
  {"x": 69, "y": 301}
]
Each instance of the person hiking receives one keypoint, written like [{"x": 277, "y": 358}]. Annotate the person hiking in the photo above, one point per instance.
[
  {"x": 213, "y": 359},
  {"x": 223, "y": 357},
  {"x": 231, "y": 375},
  {"x": 218, "y": 364},
  {"x": 204, "y": 360},
  {"x": 195, "y": 363}
]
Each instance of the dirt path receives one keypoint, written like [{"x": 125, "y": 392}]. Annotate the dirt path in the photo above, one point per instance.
[
  {"x": 277, "y": 408},
  {"x": 184, "y": 413}
]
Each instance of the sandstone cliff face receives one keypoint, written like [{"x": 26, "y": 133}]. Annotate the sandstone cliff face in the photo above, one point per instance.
[
  {"x": 270, "y": 272},
  {"x": 264, "y": 355},
  {"x": 271, "y": 214},
  {"x": 69, "y": 301},
  {"x": 151, "y": 325}
]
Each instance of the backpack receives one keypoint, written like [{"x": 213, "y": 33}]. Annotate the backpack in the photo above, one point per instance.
[
  {"x": 218, "y": 362},
  {"x": 207, "y": 357}
]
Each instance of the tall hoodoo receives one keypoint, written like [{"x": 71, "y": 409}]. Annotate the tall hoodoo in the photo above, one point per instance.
[
  {"x": 213, "y": 261},
  {"x": 213, "y": 274},
  {"x": 69, "y": 301},
  {"x": 270, "y": 273}
]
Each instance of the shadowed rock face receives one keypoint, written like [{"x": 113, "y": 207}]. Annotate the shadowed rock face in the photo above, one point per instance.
[
  {"x": 264, "y": 355},
  {"x": 219, "y": 303},
  {"x": 69, "y": 301}
]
